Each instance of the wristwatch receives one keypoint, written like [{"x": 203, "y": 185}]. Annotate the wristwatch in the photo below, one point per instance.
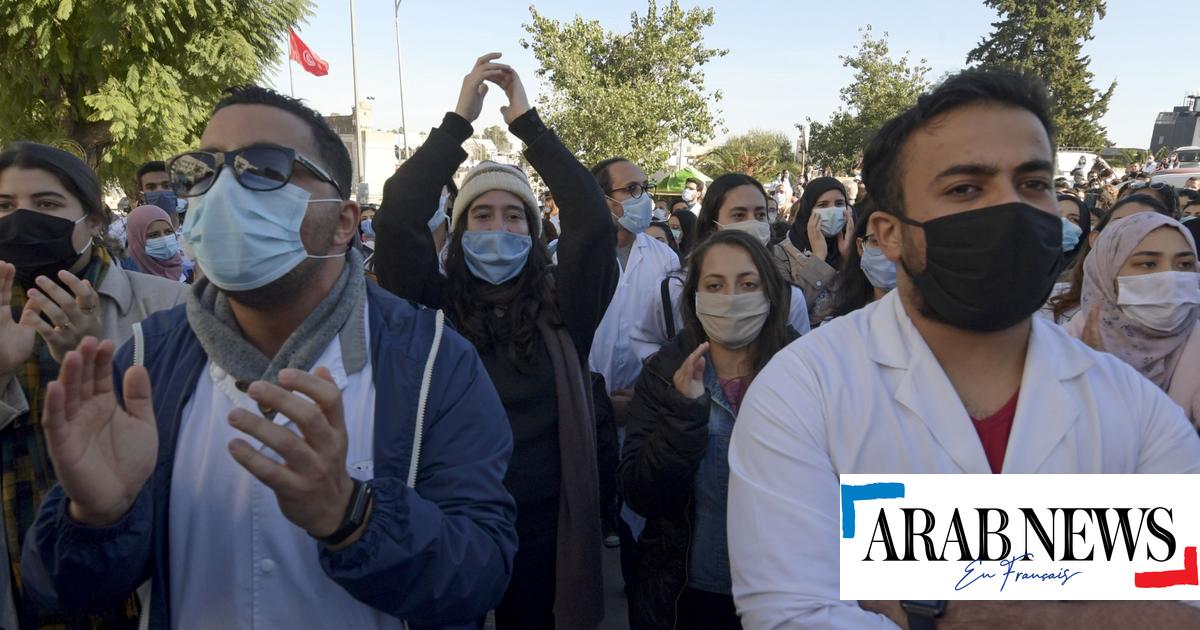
[
  {"x": 922, "y": 612},
  {"x": 356, "y": 514}
]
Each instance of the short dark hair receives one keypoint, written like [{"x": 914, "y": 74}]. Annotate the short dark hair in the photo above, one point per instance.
[
  {"x": 603, "y": 177},
  {"x": 693, "y": 180},
  {"x": 881, "y": 162},
  {"x": 150, "y": 167},
  {"x": 330, "y": 148}
]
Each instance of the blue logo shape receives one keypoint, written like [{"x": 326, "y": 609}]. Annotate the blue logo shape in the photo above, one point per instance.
[{"x": 850, "y": 494}]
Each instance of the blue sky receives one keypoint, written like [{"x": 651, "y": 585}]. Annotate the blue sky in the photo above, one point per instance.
[{"x": 782, "y": 64}]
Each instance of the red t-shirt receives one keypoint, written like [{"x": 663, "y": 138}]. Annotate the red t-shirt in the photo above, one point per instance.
[{"x": 994, "y": 431}]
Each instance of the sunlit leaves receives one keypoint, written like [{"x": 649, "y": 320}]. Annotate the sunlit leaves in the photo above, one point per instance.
[{"x": 631, "y": 93}]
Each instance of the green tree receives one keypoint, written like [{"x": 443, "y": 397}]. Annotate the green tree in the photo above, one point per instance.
[
  {"x": 1045, "y": 39},
  {"x": 759, "y": 154},
  {"x": 882, "y": 88},
  {"x": 633, "y": 93},
  {"x": 499, "y": 137},
  {"x": 121, "y": 82}
]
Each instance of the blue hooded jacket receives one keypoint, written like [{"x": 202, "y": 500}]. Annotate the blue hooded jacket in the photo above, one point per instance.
[{"x": 436, "y": 555}]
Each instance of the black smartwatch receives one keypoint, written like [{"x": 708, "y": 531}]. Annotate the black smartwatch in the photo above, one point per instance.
[
  {"x": 922, "y": 612},
  {"x": 356, "y": 514}
]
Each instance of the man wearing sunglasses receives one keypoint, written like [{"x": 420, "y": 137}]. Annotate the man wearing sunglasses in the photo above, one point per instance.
[{"x": 296, "y": 447}]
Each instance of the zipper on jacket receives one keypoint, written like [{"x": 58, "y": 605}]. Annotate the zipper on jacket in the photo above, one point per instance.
[
  {"x": 426, "y": 382},
  {"x": 687, "y": 557}
]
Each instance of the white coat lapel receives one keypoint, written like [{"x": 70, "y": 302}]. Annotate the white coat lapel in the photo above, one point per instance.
[
  {"x": 1046, "y": 410},
  {"x": 923, "y": 389}
]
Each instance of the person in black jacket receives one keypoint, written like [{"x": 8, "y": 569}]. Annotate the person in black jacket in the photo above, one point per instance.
[
  {"x": 673, "y": 465},
  {"x": 532, "y": 323}
]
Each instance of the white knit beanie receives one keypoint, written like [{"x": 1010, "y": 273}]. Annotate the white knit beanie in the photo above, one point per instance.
[{"x": 489, "y": 176}]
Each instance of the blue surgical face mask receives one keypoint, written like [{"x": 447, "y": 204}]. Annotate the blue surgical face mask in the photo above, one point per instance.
[
  {"x": 245, "y": 239},
  {"x": 439, "y": 216},
  {"x": 496, "y": 256},
  {"x": 833, "y": 220},
  {"x": 637, "y": 214},
  {"x": 368, "y": 228},
  {"x": 1070, "y": 235},
  {"x": 677, "y": 233},
  {"x": 164, "y": 199},
  {"x": 880, "y": 271},
  {"x": 162, "y": 247}
]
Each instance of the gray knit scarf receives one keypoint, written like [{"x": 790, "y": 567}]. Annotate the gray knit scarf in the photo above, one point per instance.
[{"x": 211, "y": 319}]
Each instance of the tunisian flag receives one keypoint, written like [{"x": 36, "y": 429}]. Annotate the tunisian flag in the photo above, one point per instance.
[{"x": 307, "y": 59}]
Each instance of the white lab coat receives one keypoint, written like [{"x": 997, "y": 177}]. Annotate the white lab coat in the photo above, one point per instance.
[
  {"x": 612, "y": 349},
  {"x": 864, "y": 394},
  {"x": 650, "y": 333}
]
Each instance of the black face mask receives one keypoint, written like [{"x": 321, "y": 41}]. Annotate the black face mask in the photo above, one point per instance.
[
  {"x": 988, "y": 269},
  {"x": 37, "y": 244}
]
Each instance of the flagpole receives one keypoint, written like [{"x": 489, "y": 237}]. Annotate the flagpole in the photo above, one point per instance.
[
  {"x": 358, "y": 150},
  {"x": 400, "y": 72},
  {"x": 291, "y": 81}
]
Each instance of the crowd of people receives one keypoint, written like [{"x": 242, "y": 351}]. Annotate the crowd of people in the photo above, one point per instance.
[{"x": 253, "y": 402}]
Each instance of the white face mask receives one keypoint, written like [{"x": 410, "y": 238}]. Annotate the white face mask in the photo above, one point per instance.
[
  {"x": 689, "y": 195},
  {"x": 758, "y": 229},
  {"x": 1162, "y": 302},
  {"x": 734, "y": 321}
]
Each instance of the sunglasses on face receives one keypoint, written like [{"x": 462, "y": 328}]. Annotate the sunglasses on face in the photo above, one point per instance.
[
  {"x": 1151, "y": 186},
  {"x": 261, "y": 168}
]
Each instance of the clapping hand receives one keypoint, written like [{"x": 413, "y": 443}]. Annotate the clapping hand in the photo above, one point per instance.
[
  {"x": 312, "y": 485},
  {"x": 474, "y": 87},
  {"x": 518, "y": 102},
  {"x": 72, "y": 317},
  {"x": 16, "y": 341},
  {"x": 103, "y": 452}
]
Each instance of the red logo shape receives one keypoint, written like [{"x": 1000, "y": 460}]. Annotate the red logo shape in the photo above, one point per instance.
[{"x": 1187, "y": 576}]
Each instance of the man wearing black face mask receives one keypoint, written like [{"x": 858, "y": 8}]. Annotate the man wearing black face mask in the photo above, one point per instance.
[{"x": 950, "y": 374}]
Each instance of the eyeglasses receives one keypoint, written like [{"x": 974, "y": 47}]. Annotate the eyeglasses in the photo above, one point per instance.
[
  {"x": 870, "y": 241},
  {"x": 634, "y": 190},
  {"x": 1151, "y": 185},
  {"x": 262, "y": 168}
]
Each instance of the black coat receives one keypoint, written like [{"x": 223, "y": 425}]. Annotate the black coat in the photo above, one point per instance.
[{"x": 666, "y": 435}]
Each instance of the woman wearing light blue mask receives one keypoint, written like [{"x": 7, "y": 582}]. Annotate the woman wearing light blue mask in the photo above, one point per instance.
[
  {"x": 822, "y": 234},
  {"x": 866, "y": 274},
  {"x": 1077, "y": 223},
  {"x": 532, "y": 323},
  {"x": 153, "y": 245}
]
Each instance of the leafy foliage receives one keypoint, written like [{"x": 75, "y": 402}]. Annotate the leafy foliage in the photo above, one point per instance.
[
  {"x": 882, "y": 88},
  {"x": 1045, "y": 39},
  {"x": 760, "y": 154},
  {"x": 499, "y": 137},
  {"x": 122, "y": 82},
  {"x": 632, "y": 94}
]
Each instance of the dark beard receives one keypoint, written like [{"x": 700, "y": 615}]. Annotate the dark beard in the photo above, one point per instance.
[
  {"x": 912, "y": 291},
  {"x": 281, "y": 292}
]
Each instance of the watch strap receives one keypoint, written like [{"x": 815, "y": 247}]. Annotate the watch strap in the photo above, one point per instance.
[
  {"x": 356, "y": 513},
  {"x": 922, "y": 615},
  {"x": 917, "y": 621}
]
